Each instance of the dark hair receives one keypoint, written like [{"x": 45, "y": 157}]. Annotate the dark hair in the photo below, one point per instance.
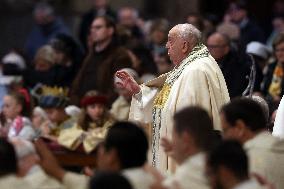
[
  {"x": 240, "y": 4},
  {"x": 130, "y": 142},
  {"x": 197, "y": 123},
  {"x": 277, "y": 40},
  {"x": 67, "y": 45},
  {"x": 109, "y": 180},
  {"x": 199, "y": 20},
  {"x": 231, "y": 155},
  {"x": 247, "y": 110},
  {"x": 8, "y": 161},
  {"x": 109, "y": 21}
]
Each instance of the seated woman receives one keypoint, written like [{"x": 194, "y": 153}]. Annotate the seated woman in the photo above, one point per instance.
[{"x": 92, "y": 125}]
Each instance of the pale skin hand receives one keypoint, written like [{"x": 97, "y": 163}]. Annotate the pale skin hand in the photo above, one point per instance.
[
  {"x": 262, "y": 181},
  {"x": 127, "y": 82},
  {"x": 168, "y": 147}
]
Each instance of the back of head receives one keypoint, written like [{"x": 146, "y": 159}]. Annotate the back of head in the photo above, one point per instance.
[
  {"x": 189, "y": 33},
  {"x": 130, "y": 142},
  {"x": 109, "y": 180},
  {"x": 8, "y": 161},
  {"x": 263, "y": 104},
  {"x": 231, "y": 155},
  {"x": 246, "y": 110},
  {"x": 197, "y": 123}
]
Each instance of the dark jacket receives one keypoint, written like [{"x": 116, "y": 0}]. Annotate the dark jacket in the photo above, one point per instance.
[
  {"x": 97, "y": 72},
  {"x": 235, "y": 69}
]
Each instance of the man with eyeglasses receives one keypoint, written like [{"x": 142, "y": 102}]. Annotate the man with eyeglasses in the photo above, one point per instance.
[
  {"x": 234, "y": 66},
  {"x": 104, "y": 59}
]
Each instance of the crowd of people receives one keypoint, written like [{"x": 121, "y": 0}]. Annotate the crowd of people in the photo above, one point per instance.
[{"x": 195, "y": 105}]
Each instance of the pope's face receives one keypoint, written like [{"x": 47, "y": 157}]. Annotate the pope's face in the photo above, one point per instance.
[{"x": 174, "y": 46}]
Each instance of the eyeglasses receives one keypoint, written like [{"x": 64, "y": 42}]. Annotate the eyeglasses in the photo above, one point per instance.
[
  {"x": 279, "y": 49},
  {"x": 216, "y": 46},
  {"x": 97, "y": 27}
]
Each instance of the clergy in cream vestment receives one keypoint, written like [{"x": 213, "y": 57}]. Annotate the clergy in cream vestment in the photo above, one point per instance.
[{"x": 197, "y": 80}]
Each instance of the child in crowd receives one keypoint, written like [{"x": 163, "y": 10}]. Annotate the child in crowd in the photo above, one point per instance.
[
  {"x": 54, "y": 100},
  {"x": 91, "y": 126},
  {"x": 16, "y": 112},
  {"x": 41, "y": 123}
]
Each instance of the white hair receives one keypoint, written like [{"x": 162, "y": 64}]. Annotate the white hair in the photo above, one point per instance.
[
  {"x": 23, "y": 147},
  {"x": 188, "y": 32}
]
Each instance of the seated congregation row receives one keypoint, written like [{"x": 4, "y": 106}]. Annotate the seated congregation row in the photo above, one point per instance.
[{"x": 245, "y": 156}]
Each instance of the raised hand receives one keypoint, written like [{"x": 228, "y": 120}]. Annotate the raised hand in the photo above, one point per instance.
[
  {"x": 167, "y": 145},
  {"x": 127, "y": 82}
]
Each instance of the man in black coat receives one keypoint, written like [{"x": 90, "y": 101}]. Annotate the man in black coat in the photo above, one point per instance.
[{"x": 234, "y": 66}]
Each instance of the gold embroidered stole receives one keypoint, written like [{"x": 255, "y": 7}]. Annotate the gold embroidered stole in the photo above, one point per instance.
[{"x": 199, "y": 51}]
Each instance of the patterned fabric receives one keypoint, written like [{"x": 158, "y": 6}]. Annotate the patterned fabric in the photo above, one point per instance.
[
  {"x": 199, "y": 51},
  {"x": 275, "y": 86}
]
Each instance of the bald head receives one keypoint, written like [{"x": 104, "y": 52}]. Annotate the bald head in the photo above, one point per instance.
[
  {"x": 182, "y": 39},
  {"x": 218, "y": 45}
]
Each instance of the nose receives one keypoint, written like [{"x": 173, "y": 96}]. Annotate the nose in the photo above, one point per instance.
[{"x": 167, "y": 45}]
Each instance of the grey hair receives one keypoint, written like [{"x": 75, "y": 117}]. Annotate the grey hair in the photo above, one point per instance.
[
  {"x": 23, "y": 147},
  {"x": 189, "y": 33}
]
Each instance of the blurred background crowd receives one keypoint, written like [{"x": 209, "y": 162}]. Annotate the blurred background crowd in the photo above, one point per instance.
[{"x": 58, "y": 59}]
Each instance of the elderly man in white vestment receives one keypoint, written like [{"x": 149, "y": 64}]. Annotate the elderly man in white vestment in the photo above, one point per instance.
[
  {"x": 244, "y": 120},
  {"x": 195, "y": 80}
]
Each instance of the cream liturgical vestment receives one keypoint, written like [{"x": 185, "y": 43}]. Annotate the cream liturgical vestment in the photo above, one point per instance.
[
  {"x": 278, "y": 128},
  {"x": 198, "y": 80},
  {"x": 266, "y": 157},
  {"x": 190, "y": 174}
]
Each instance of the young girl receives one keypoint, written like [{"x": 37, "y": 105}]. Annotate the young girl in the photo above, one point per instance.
[
  {"x": 92, "y": 124},
  {"x": 16, "y": 111}
]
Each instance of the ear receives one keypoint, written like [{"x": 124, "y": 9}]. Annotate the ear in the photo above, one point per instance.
[
  {"x": 187, "y": 138},
  {"x": 224, "y": 173},
  {"x": 227, "y": 49},
  {"x": 185, "y": 47},
  {"x": 240, "y": 127},
  {"x": 114, "y": 160}
]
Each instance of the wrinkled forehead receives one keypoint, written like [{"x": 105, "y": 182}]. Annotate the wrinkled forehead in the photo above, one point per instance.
[{"x": 172, "y": 33}]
